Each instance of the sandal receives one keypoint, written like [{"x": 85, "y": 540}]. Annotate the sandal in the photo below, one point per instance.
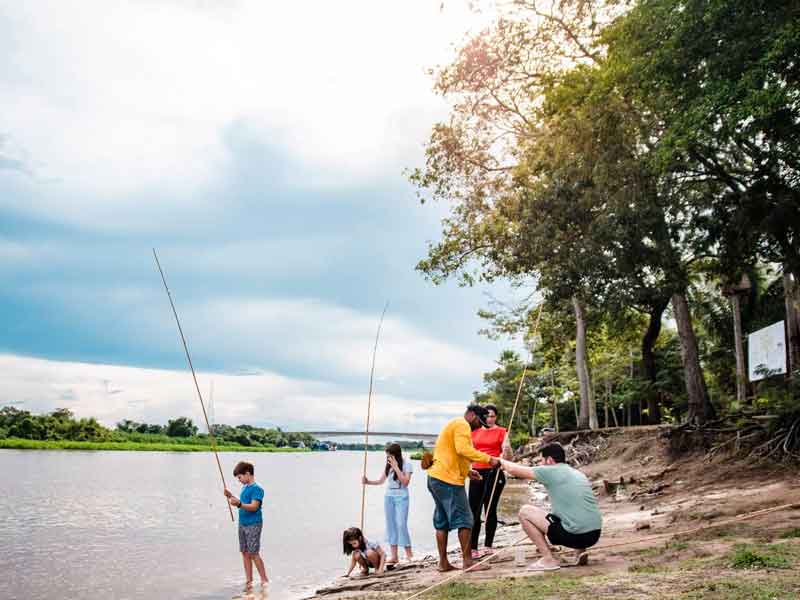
[{"x": 539, "y": 566}]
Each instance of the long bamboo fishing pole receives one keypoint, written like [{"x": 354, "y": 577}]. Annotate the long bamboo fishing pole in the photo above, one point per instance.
[
  {"x": 369, "y": 414},
  {"x": 196, "y": 386},
  {"x": 486, "y": 507}
]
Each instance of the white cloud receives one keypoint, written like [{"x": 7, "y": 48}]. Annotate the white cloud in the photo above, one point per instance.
[
  {"x": 117, "y": 100},
  {"x": 112, "y": 393}
]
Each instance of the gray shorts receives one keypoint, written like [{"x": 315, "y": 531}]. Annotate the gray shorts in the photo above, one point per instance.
[{"x": 250, "y": 538}]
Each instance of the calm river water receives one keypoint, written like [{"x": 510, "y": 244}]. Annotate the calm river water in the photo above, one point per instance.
[{"x": 114, "y": 525}]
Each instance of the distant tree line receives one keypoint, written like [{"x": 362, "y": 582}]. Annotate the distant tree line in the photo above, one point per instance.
[
  {"x": 61, "y": 424},
  {"x": 405, "y": 445}
]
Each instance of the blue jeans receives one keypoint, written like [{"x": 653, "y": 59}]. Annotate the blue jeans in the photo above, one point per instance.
[{"x": 396, "y": 510}]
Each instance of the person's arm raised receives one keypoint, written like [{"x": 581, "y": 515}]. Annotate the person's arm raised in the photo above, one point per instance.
[
  {"x": 403, "y": 477},
  {"x": 520, "y": 471}
]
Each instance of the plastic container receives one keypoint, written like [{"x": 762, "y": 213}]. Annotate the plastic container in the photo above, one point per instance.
[{"x": 519, "y": 556}]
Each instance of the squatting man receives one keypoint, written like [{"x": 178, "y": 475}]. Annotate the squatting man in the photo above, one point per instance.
[{"x": 574, "y": 520}]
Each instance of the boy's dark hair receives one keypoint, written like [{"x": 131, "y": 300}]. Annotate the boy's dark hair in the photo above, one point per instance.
[
  {"x": 243, "y": 467},
  {"x": 354, "y": 533},
  {"x": 554, "y": 451}
]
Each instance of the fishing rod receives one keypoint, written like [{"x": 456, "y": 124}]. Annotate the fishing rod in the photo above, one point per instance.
[
  {"x": 369, "y": 414},
  {"x": 194, "y": 376},
  {"x": 514, "y": 410}
]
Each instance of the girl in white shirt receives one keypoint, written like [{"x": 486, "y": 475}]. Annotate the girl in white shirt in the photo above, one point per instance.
[{"x": 396, "y": 476}]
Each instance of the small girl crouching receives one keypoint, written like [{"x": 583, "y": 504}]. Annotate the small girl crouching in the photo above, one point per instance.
[{"x": 362, "y": 552}]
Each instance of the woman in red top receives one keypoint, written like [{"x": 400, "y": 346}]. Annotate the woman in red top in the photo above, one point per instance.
[{"x": 493, "y": 441}]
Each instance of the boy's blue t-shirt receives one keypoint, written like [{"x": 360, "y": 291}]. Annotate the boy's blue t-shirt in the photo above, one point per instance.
[{"x": 249, "y": 493}]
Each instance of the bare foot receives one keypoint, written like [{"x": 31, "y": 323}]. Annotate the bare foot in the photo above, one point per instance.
[
  {"x": 446, "y": 567},
  {"x": 472, "y": 566},
  {"x": 392, "y": 561}
]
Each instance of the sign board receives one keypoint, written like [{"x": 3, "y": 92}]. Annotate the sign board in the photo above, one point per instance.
[{"x": 766, "y": 351}]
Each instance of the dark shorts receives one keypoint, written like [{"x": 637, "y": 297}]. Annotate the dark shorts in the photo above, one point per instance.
[
  {"x": 558, "y": 536},
  {"x": 250, "y": 538},
  {"x": 452, "y": 507}
]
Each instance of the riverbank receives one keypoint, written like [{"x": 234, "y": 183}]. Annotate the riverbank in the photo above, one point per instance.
[
  {"x": 22, "y": 444},
  {"x": 644, "y": 491}
]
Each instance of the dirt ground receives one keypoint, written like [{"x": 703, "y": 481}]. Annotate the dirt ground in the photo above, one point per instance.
[{"x": 644, "y": 491}]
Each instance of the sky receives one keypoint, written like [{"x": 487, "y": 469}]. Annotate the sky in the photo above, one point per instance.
[{"x": 259, "y": 147}]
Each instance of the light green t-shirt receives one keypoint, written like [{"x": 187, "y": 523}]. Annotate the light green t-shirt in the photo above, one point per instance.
[{"x": 571, "y": 497}]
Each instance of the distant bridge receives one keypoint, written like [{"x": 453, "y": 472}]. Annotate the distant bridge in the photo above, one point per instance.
[{"x": 391, "y": 434}]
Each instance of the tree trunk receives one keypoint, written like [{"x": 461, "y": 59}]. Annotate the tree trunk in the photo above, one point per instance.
[
  {"x": 649, "y": 360},
  {"x": 588, "y": 412},
  {"x": 605, "y": 406},
  {"x": 741, "y": 371},
  {"x": 790, "y": 295},
  {"x": 700, "y": 408}
]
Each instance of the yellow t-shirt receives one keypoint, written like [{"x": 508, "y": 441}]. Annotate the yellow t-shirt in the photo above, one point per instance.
[{"x": 454, "y": 453}]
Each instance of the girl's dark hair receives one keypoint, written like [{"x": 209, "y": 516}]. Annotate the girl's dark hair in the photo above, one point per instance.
[
  {"x": 491, "y": 407},
  {"x": 353, "y": 533},
  {"x": 396, "y": 451},
  {"x": 242, "y": 468}
]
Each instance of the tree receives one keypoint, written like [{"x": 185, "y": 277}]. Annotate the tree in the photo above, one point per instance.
[
  {"x": 724, "y": 82},
  {"x": 180, "y": 427}
]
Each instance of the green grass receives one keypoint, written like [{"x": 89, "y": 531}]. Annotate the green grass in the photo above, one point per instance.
[
  {"x": 20, "y": 444},
  {"x": 791, "y": 533},
  {"x": 744, "y": 589},
  {"x": 533, "y": 588},
  {"x": 772, "y": 556}
]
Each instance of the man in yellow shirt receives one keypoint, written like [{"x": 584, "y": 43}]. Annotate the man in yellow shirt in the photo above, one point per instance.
[{"x": 452, "y": 458}]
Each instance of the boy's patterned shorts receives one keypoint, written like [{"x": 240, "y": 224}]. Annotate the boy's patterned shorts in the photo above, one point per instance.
[{"x": 250, "y": 538}]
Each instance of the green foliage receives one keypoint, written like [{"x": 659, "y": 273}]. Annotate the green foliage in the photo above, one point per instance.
[
  {"x": 179, "y": 433},
  {"x": 185, "y": 445}
]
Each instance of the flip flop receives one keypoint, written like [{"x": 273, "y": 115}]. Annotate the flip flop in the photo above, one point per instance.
[{"x": 538, "y": 566}]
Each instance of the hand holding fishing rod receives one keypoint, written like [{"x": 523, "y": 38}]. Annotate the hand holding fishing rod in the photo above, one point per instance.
[{"x": 197, "y": 387}]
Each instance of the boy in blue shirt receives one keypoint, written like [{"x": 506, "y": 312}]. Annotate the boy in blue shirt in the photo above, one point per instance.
[{"x": 250, "y": 521}]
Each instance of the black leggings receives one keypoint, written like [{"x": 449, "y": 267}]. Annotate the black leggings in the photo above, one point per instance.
[{"x": 479, "y": 494}]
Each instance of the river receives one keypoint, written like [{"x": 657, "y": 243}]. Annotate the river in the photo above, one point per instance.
[{"x": 125, "y": 525}]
